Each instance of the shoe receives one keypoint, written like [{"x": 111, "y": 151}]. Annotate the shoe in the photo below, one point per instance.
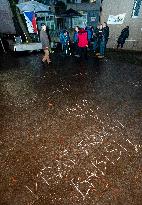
[
  {"x": 97, "y": 54},
  {"x": 49, "y": 61},
  {"x": 43, "y": 61},
  {"x": 77, "y": 56},
  {"x": 100, "y": 56}
]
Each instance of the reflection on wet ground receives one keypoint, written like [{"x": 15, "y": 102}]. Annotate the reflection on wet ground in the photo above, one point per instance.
[{"x": 70, "y": 131}]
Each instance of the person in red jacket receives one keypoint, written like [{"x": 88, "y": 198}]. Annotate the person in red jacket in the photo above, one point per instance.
[{"x": 82, "y": 43}]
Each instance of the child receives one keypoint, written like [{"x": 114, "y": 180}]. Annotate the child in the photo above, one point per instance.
[{"x": 64, "y": 40}]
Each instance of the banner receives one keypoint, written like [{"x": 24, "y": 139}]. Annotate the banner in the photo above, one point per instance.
[
  {"x": 116, "y": 19},
  {"x": 31, "y": 21}
]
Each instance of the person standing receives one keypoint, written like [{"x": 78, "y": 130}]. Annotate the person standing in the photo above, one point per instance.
[
  {"x": 101, "y": 42},
  {"x": 122, "y": 38},
  {"x": 106, "y": 33},
  {"x": 89, "y": 30},
  {"x": 65, "y": 40},
  {"x": 83, "y": 43},
  {"x": 75, "y": 41},
  {"x": 45, "y": 44},
  {"x": 96, "y": 38}
]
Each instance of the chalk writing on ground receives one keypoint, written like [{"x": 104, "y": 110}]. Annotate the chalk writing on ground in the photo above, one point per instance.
[{"x": 84, "y": 166}]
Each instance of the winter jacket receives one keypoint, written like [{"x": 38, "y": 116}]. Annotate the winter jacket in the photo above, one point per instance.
[
  {"x": 89, "y": 32},
  {"x": 82, "y": 38},
  {"x": 100, "y": 35},
  {"x": 64, "y": 39},
  {"x": 44, "y": 39},
  {"x": 124, "y": 34},
  {"x": 75, "y": 37},
  {"x": 96, "y": 34},
  {"x": 106, "y": 32}
]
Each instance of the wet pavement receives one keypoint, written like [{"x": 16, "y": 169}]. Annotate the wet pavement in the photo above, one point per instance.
[{"x": 71, "y": 130}]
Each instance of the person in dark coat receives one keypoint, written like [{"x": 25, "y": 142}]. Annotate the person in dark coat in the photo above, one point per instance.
[
  {"x": 96, "y": 38},
  {"x": 99, "y": 41},
  {"x": 122, "y": 38},
  {"x": 45, "y": 44},
  {"x": 75, "y": 41},
  {"x": 103, "y": 39},
  {"x": 106, "y": 32}
]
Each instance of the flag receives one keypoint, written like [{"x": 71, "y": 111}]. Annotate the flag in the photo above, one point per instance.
[{"x": 31, "y": 21}]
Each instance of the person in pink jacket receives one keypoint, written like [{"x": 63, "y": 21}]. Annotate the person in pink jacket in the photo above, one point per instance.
[{"x": 82, "y": 43}]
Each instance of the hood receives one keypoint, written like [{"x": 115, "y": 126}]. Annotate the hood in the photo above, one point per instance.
[{"x": 82, "y": 30}]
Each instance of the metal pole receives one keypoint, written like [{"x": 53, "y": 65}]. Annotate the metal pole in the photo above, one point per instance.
[{"x": 2, "y": 46}]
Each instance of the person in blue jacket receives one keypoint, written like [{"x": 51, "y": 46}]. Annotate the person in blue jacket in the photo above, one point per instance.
[
  {"x": 64, "y": 40},
  {"x": 89, "y": 30},
  {"x": 75, "y": 41}
]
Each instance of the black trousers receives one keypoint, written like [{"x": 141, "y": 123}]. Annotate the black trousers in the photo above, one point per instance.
[
  {"x": 75, "y": 48},
  {"x": 83, "y": 52},
  {"x": 120, "y": 43}
]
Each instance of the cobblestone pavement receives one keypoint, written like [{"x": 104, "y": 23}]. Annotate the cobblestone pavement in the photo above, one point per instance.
[{"x": 70, "y": 131}]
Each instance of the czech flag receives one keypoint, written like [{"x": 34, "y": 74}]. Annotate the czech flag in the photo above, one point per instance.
[{"x": 31, "y": 21}]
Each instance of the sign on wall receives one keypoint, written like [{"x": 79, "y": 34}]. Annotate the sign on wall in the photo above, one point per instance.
[
  {"x": 116, "y": 19},
  {"x": 93, "y": 19}
]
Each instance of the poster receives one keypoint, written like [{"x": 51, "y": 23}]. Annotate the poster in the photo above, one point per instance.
[{"x": 116, "y": 19}]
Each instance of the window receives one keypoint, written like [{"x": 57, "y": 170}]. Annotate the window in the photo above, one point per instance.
[
  {"x": 136, "y": 8},
  {"x": 80, "y": 21},
  {"x": 77, "y": 1}
]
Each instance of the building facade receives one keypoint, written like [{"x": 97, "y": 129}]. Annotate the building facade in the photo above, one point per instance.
[
  {"x": 90, "y": 10},
  {"x": 130, "y": 12},
  {"x": 6, "y": 22}
]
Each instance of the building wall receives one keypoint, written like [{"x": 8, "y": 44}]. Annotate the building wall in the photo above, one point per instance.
[
  {"x": 92, "y": 10},
  {"x": 86, "y": 6},
  {"x": 115, "y": 7},
  {"x": 6, "y": 23}
]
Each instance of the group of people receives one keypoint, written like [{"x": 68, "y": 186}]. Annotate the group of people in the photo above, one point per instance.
[{"x": 84, "y": 39}]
